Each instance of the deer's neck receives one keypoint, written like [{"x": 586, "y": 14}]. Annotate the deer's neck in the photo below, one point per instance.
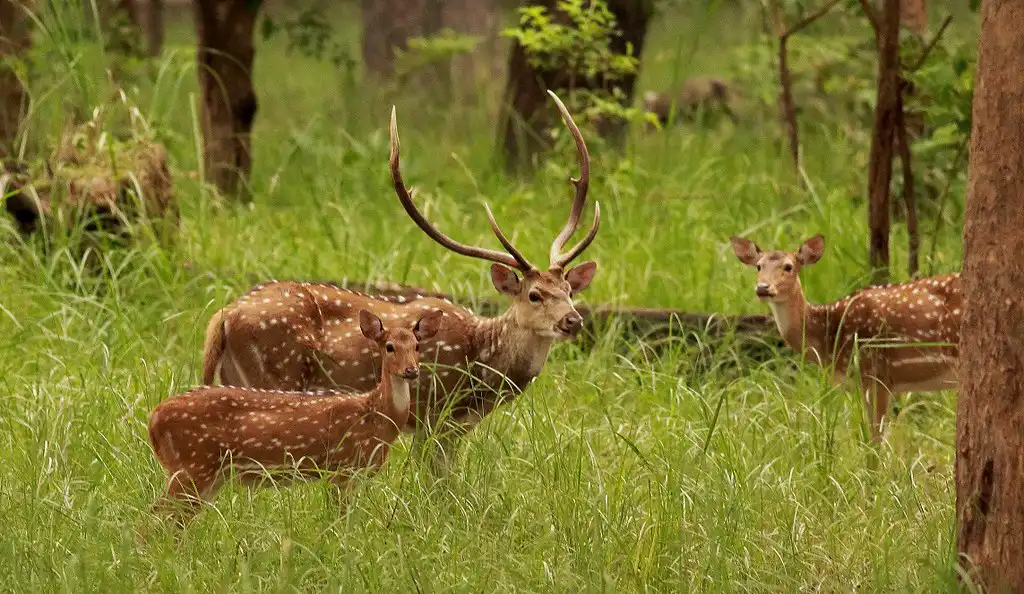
[
  {"x": 516, "y": 352},
  {"x": 801, "y": 325},
  {"x": 391, "y": 397}
]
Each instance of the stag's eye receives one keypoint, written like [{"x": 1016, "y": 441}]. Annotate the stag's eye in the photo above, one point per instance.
[
  {"x": 535, "y": 296},
  {"x": 788, "y": 267},
  {"x": 417, "y": 348},
  {"x": 758, "y": 267},
  {"x": 389, "y": 347}
]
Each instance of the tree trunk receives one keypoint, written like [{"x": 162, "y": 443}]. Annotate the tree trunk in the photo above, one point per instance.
[
  {"x": 14, "y": 41},
  {"x": 153, "y": 26},
  {"x": 225, "y": 56},
  {"x": 990, "y": 410},
  {"x": 478, "y": 18},
  {"x": 883, "y": 135},
  {"x": 527, "y": 112},
  {"x": 387, "y": 26},
  {"x": 786, "y": 102}
]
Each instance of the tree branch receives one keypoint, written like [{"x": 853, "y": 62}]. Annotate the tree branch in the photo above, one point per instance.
[
  {"x": 807, "y": 20},
  {"x": 871, "y": 13},
  {"x": 931, "y": 45}
]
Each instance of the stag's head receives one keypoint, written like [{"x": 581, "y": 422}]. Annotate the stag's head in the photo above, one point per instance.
[
  {"x": 778, "y": 272},
  {"x": 542, "y": 300}
]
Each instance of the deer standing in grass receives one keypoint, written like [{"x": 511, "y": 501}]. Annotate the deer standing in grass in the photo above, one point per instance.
[
  {"x": 905, "y": 334},
  {"x": 205, "y": 435},
  {"x": 300, "y": 336}
]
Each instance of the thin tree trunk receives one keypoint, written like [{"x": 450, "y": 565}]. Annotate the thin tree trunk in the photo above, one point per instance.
[
  {"x": 786, "y": 102},
  {"x": 882, "y": 139},
  {"x": 225, "y": 57},
  {"x": 990, "y": 408},
  {"x": 14, "y": 41},
  {"x": 527, "y": 112},
  {"x": 478, "y": 18},
  {"x": 153, "y": 26},
  {"x": 909, "y": 197}
]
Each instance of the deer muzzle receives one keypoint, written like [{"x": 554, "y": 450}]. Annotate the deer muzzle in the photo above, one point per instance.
[
  {"x": 411, "y": 373},
  {"x": 570, "y": 324},
  {"x": 764, "y": 291}
]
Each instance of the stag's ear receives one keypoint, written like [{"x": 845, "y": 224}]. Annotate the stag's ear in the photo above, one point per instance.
[
  {"x": 505, "y": 280},
  {"x": 580, "y": 277},
  {"x": 428, "y": 325},
  {"x": 811, "y": 251},
  {"x": 370, "y": 325},
  {"x": 747, "y": 251}
]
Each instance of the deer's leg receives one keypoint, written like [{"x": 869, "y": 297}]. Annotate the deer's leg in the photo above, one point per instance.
[
  {"x": 185, "y": 493},
  {"x": 453, "y": 430},
  {"x": 877, "y": 399}
]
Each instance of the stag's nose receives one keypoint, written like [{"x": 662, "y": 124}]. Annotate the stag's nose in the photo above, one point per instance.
[
  {"x": 411, "y": 373},
  {"x": 571, "y": 323},
  {"x": 764, "y": 290}
]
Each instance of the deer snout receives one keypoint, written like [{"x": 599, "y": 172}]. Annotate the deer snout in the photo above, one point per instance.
[
  {"x": 570, "y": 324},
  {"x": 764, "y": 290},
  {"x": 411, "y": 372}
]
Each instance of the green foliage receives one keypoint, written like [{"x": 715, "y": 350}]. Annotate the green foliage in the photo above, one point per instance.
[
  {"x": 435, "y": 51},
  {"x": 310, "y": 32},
  {"x": 576, "y": 40}
]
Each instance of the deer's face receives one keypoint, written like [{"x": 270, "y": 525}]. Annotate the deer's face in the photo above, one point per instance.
[
  {"x": 777, "y": 271},
  {"x": 542, "y": 300},
  {"x": 400, "y": 347}
]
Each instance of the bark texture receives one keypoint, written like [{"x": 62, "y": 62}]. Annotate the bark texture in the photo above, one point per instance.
[
  {"x": 225, "y": 56},
  {"x": 527, "y": 106},
  {"x": 153, "y": 26},
  {"x": 887, "y": 114},
  {"x": 990, "y": 410},
  {"x": 387, "y": 27},
  {"x": 478, "y": 18},
  {"x": 14, "y": 40}
]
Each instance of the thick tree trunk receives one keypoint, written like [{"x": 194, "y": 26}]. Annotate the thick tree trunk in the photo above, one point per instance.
[
  {"x": 527, "y": 112},
  {"x": 990, "y": 410},
  {"x": 14, "y": 40},
  {"x": 478, "y": 18},
  {"x": 387, "y": 26},
  {"x": 887, "y": 110},
  {"x": 225, "y": 56}
]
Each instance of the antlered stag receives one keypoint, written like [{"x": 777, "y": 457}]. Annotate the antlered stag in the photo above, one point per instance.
[
  {"x": 907, "y": 333},
  {"x": 301, "y": 336},
  {"x": 205, "y": 435}
]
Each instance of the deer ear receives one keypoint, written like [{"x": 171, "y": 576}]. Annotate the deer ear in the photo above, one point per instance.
[
  {"x": 811, "y": 251},
  {"x": 505, "y": 280},
  {"x": 428, "y": 325},
  {"x": 747, "y": 251},
  {"x": 580, "y": 277},
  {"x": 370, "y": 325}
]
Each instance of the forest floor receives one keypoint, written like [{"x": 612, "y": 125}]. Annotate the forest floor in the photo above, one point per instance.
[{"x": 691, "y": 469}]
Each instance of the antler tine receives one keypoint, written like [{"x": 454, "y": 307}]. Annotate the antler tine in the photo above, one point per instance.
[
  {"x": 524, "y": 264},
  {"x": 577, "y": 249},
  {"x": 429, "y": 229},
  {"x": 582, "y": 184}
]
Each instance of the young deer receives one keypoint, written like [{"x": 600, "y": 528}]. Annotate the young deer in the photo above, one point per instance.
[
  {"x": 907, "y": 333},
  {"x": 299, "y": 336},
  {"x": 202, "y": 436}
]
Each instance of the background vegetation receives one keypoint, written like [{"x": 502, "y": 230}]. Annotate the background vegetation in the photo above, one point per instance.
[{"x": 689, "y": 469}]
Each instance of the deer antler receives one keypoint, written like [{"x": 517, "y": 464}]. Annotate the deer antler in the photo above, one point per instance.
[
  {"x": 514, "y": 258},
  {"x": 582, "y": 184}
]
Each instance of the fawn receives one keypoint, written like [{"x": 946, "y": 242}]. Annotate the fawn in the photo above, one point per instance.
[
  {"x": 908, "y": 333},
  {"x": 202, "y": 436}
]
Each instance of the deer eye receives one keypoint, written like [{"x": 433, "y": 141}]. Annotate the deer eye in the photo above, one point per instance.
[
  {"x": 758, "y": 267},
  {"x": 788, "y": 267},
  {"x": 389, "y": 347},
  {"x": 417, "y": 348},
  {"x": 534, "y": 297}
]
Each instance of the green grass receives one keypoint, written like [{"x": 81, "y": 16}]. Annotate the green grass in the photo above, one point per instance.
[{"x": 616, "y": 471}]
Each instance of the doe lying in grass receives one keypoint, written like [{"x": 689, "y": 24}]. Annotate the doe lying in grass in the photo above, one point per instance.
[
  {"x": 905, "y": 335},
  {"x": 205, "y": 435}
]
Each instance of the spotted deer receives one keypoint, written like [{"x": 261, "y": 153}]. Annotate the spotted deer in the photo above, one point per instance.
[
  {"x": 905, "y": 335},
  {"x": 300, "y": 336},
  {"x": 206, "y": 435}
]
